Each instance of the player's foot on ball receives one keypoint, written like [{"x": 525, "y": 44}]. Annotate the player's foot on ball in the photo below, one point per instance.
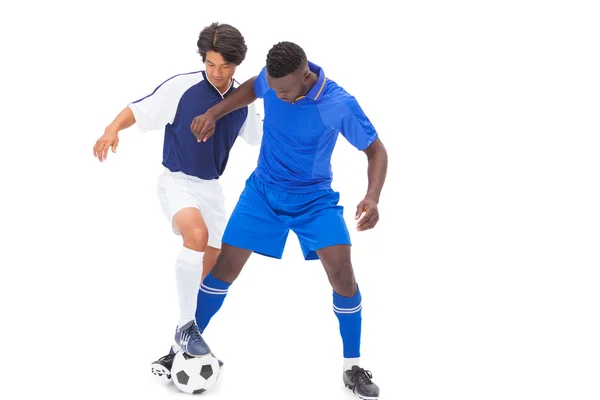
[
  {"x": 190, "y": 340},
  {"x": 359, "y": 381}
]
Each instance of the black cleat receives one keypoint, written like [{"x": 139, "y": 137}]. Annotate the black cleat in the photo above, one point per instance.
[
  {"x": 162, "y": 366},
  {"x": 359, "y": 381}
]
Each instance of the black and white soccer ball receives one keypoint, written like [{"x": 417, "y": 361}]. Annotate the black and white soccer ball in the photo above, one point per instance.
[{"x": 194, "y": 374}]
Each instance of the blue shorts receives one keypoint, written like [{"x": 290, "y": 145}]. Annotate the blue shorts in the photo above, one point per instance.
[{"x": 264, "y": 216}]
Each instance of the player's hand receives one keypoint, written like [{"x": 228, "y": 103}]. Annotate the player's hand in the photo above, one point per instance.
[
  {"x": 110, "y": 140},
  {"x": 367, "y": 215},
  {"x": 203, "y": 126}
]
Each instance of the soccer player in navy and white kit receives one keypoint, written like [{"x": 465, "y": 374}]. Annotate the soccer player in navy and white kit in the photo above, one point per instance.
[
  {"x": 188, "y": 188},
  {"x": 291, "y": 189}
]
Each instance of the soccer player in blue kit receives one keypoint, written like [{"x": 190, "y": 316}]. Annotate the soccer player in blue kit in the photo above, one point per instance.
[
  {"x": 291, "y": 189},
  {"x": 188, "y": 187}
]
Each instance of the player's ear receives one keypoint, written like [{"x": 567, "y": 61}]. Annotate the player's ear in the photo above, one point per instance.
[{"x": 307, "y": 76}]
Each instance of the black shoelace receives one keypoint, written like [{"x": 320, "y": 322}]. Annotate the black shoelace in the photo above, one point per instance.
[{"x": 362, "y": 376}]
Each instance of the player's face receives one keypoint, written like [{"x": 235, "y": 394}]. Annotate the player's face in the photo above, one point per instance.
[
  {"x": 218, "y": 70},
  {"x": 288, "y": 88}
]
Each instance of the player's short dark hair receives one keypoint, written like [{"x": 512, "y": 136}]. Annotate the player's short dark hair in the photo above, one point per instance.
[
  {"x": 223, "y": 39},
  {"x": 284, "y": 58}
]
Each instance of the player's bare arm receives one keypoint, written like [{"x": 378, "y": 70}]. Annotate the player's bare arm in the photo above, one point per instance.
[
  {"x": 203, "y": 126},
  {"x": 377, "y": 170},
  {"x": 110, "y": 139}
]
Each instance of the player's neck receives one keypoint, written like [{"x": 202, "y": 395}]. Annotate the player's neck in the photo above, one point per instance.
[
  {"x": 223, "y": 88},
  {"x": 312, "y": 82}
]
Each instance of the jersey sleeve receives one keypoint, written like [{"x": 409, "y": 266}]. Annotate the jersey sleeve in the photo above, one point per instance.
[
  {"x": 349, "y": 119},
  {"x": 252, "y": 129},
  {"x": 260, "y": 84},
  {"x": 158, "y": 109}
]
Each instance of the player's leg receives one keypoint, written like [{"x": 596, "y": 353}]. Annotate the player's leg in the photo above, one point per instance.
[
  {"x": 323, "y": 235},
  {"x": 210, "y": 258},
  {"x": 179, "y": 204},
  {"x": 347, "y": 306},
  {"x": 252, "y": 227},
  {"x": 211, "y": 200},
  {"x": 189, "y": 223},
  {"x": 162, "y": 366},
  {"x": 178, "y": 199},
  {"x": 214, "y": 287}
]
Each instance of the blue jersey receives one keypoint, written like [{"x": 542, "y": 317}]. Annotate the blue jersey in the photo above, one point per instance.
[
  {"x": 299, "y": 137},
  {"x": 174, "y": 104}
]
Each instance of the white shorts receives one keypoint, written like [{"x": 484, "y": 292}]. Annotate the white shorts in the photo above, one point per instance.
[{"x": 177, "y": 190}]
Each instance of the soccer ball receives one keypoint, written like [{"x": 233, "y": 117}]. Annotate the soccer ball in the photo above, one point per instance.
[{"x": 194, "y": 374}]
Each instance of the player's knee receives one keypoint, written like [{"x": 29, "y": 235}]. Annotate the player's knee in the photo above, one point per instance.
[
  {"x": 195, "y": 239},
  {"x": 343, "y": 281}
]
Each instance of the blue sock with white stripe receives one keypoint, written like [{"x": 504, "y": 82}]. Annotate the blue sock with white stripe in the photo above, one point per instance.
[
  {"x": 210, "y": 299},
  {"x": 348, "y": 312}
]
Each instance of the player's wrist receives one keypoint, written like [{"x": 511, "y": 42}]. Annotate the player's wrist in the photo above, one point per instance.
[
  {"x": 111, "y": 130},
  {"x": 214, "y": 112},
  {"x": 372, "y": 197}
]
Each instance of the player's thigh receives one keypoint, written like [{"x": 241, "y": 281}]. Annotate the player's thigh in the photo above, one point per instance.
[
  {"x": 176, "y": 196},
  {"x": 336, "y": 260},
  {"x": 211, "y": 201},
  {"x": 253, "y": 225}
]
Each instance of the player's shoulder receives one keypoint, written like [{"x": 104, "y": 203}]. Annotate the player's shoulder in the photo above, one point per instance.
[
  {"x": 183, "y": 80},
  {"x": 185, "y": 76},
  {"x": 335, "y": 95}
]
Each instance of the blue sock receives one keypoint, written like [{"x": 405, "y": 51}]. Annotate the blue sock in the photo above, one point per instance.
[
  {"x": 210, "y": 299},
  {"x": 348, "y": 312}
]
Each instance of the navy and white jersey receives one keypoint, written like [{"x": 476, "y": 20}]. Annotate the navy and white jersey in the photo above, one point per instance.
[{"x": 174, "y": 104}]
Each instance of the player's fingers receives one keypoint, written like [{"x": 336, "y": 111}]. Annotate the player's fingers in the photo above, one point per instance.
[
  {"x": 371, "y": 224},
  {"x": 360, "y": 209},
  {"x": 105, "y": 151},
  {"x": 366, "y": 220},
  {"x": 201, "y": 132},
  {"x": 375, "y": 221},
  {"x": 206, "y": 131},
  {"x": 194, "y": 127},
  {"x": 114, "y": 145},
  {"x": 99, "y": 151},
  {"x": 198, "y": 130},
  {"x": 203, "y": 129},
  {"x": 209, "y": 133}
]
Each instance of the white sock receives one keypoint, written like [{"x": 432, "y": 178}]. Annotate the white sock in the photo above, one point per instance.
[
  {"x": 349, "y": 362},
  {"x": 188, "y": 272}
]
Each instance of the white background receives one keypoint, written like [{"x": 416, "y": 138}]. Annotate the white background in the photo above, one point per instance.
[{"x": 480, "y": 281}]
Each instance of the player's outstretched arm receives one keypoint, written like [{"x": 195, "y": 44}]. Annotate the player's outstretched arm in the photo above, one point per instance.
[
  {"x": 110, "y": 139},
  {"x": 203, "y": 126},
  {"x": 377, "y": 170}
]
